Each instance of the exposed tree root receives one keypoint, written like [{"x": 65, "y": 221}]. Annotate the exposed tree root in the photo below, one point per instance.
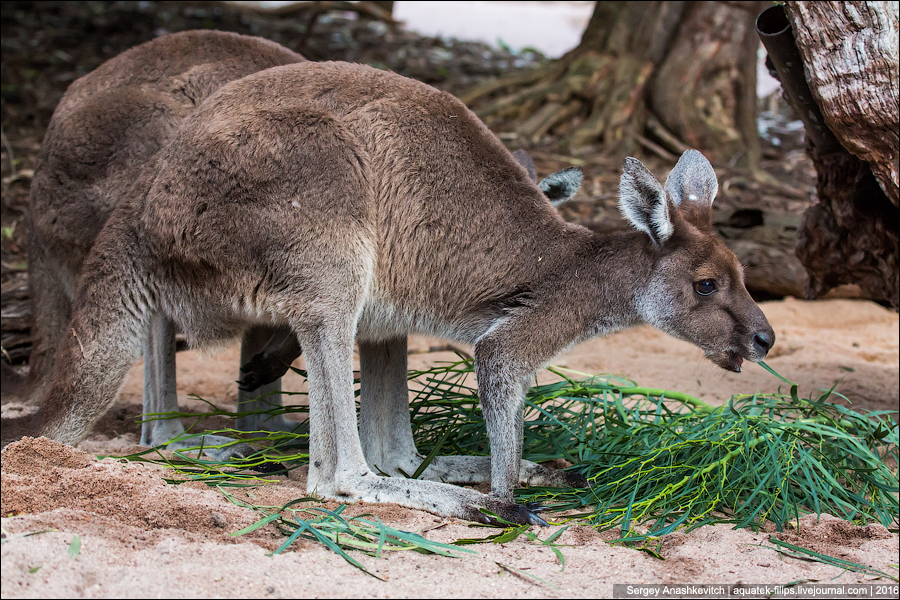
[{"x": 584, "y": 98}]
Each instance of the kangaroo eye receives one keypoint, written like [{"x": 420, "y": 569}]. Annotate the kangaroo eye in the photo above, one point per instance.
[{"x": 705, "y": 287}]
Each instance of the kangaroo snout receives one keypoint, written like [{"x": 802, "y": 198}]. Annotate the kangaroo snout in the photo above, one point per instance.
[
  {"x": 757, "y": 341},
  {"x": 763, "y": 342},
  {"x": 762, "y": 336},
  {"x": 756, "y": 345}
]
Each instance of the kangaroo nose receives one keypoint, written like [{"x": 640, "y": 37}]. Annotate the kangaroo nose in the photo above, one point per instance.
[{"x": 764, "y": 340}]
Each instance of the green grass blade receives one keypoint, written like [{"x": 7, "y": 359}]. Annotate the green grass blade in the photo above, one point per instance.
[
  {"x": 75, "y": 547},
  {"x": 812, "y": 555},
  {"x": 261, "y": 523}
]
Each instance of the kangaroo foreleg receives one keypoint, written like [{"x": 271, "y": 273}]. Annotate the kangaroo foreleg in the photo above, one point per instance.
[
  {"x": 386, "y": 432},
  {"x": 51, "y": 310},
  {"x": 266, "y": 361},
  {"x": 101, "y": 341},
  {"x": 506, "y": 360},
  {"x": 338, "y": 467},
  {"x": 265, "y": 353}
]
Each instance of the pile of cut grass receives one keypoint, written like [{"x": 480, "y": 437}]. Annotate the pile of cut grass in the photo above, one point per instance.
[{"x": 656, "y": 460}]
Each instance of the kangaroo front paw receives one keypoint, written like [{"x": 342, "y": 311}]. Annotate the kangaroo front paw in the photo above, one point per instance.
[
  {"x": 244, "y": 455},
  {"x": 543, "y": 476},
  {"x": 575, "y": 479},
  {"x": 260, "y": 370},
  {"x": 509, "y": 512}
]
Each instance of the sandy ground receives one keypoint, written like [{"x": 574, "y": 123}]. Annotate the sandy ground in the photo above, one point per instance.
[{"x": 141, "y": 537}]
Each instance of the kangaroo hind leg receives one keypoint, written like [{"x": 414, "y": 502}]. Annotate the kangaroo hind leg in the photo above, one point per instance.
[
  {"x": 160, "y": 391},
  {"x": 161, "y": 396}
]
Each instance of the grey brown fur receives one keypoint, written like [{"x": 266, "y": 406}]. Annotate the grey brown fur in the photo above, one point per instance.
[
  {"x": 107, "y": 127},
  {"x": 353, "y": 204}
]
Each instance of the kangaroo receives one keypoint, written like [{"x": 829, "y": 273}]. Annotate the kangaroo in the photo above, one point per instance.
[
  {"x": 353, "y": 204},
  {"x": 105, "y": 129}
]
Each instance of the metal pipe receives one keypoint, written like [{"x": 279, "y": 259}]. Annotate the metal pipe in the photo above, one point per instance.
[{"x": 774, "y": 30}]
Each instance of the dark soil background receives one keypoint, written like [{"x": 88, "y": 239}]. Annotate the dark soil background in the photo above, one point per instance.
[{"x": 47, "y": 45}]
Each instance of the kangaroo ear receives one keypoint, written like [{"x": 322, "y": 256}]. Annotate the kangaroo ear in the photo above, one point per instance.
[
  {"x": 524, "y": 159},
  {"x": 643, "y": 201},
  {"x": 560, "y": 187},
  {"x": 692, "y": 186}
]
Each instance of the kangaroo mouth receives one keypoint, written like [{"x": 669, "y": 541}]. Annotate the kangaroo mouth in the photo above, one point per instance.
[{"x": 730, "y": 361}]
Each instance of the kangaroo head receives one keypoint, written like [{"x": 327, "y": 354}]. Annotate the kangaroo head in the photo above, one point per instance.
[{"x": 695, "y": 289}]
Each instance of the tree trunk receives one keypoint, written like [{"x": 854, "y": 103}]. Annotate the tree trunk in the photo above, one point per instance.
[
  {"x": 850, "y": 58},
  {"x": 387, "y": 7},
  {"x": 850, "y": 55},
  {"x": 705, "y": 90},
  {"x": 671, "y": 71}
]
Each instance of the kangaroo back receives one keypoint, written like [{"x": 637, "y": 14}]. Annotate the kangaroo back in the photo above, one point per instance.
[{"x": 112, "y": 121}]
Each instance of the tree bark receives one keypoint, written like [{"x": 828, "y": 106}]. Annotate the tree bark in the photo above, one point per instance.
[
  {"x": 386, "y": 6},
  {"x": 850, "y": 57},
  {"x": 705, "y": 89},
  {"x": 649, "y": 73},
  {"x": 850, "y": 54}
]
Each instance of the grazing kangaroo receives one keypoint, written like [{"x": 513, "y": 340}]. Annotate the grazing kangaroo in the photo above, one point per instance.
[
  {"x": 106, "y": 128},
  {"x": 349, "y": 203}
]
